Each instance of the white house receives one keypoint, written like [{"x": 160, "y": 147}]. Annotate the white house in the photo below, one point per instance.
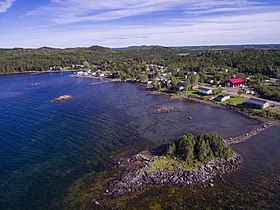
[
  {"x": 82, "y": 73},
  {"x": 205, "y": 91},
  {"x": 277, "y": 83},
  {"x": 222, "y": 98}
]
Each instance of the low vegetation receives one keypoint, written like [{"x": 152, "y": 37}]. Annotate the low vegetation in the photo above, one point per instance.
[{"x": 265, "y": 113}]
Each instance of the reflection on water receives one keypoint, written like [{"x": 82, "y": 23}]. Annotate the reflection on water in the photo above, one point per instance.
[{"x": 45, "y": 146}]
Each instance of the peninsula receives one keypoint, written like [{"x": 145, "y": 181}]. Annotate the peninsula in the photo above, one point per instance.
[{"x": 189, "y": 160}]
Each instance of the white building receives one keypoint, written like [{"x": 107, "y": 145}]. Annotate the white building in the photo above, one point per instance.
[
  {"x": 205, "y": 91},
  {"x": 222, "y": 98}
]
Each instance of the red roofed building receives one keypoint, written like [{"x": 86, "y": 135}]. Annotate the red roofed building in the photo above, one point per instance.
[{"x": 237, "y": 82}]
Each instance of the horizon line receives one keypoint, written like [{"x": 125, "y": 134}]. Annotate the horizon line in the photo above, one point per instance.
[{"x": 137, "y": 46}]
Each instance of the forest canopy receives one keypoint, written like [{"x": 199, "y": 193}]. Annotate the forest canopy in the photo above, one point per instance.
[
  {"x": 130, "y": 60},
  {"x": 200, "y": 148}
]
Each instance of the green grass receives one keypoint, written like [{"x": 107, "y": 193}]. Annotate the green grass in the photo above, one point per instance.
[
  {"x": 170, "y": 163},
  {"x": 235, "y": 100},
  {"x": 196, "y": 94}
]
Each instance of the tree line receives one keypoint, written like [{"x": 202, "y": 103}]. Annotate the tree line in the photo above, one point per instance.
[
  {"x": 131, "y": 61},
  {"x": 200, "y": 148}
]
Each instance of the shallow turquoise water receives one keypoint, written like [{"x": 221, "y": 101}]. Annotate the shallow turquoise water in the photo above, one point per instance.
[{"x": 45, "y": 146}]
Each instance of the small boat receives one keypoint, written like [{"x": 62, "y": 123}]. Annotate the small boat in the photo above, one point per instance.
[{"x": 189, "y": 118}]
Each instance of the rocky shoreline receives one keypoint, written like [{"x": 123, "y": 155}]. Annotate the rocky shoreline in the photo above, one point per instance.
[{"x": 133, "y": 175}]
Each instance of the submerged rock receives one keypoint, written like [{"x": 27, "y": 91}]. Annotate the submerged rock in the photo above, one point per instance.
[{"x": 163, "y": 109}]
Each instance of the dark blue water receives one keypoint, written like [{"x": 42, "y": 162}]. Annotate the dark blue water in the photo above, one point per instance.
[{"x": 45, "y": 146}]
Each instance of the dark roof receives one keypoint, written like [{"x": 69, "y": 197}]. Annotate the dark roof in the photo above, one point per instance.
[
  {"x": 206, "y": 89},
  {"x": 256, "y": 101},
  {"x": 221, "y": 96},
  {"x": 236, "y": 81}
]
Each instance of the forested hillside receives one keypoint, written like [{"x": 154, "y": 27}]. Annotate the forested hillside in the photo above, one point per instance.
[{"x": 247, "y": 61}]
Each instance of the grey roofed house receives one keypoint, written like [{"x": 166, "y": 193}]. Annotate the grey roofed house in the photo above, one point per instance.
[
  {"x": 205, "y": 91},
  {"x": 258, "y": 103},
  {"x": 222, "y": 98}
]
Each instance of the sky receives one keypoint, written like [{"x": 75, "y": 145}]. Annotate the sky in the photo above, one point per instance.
[{"x": 122, "y": 23}]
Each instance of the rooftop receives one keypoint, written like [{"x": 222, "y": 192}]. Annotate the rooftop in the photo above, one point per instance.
[
  {"x": 236, "y": 81},
  {"x": 256, "y": 101},
  {"x": 206, "y": 89}
]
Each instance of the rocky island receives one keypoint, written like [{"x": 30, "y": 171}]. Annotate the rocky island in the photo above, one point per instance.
[
  {"x": 62, "y": 98},
  {"x": 189, "y": 160}
]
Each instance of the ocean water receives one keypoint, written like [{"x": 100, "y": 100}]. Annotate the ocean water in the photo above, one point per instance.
[{"x": 46, "y": 146}]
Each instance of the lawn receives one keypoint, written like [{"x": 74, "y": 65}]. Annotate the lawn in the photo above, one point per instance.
[
  {"x": 196, "y": 94},
  {"x": 235, "y": 100}
]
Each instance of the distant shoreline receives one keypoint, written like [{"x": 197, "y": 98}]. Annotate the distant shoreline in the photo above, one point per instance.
[{"x": 34, "y": 72}]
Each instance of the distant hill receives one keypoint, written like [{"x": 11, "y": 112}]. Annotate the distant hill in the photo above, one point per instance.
[{"x": 210, "y": 47}]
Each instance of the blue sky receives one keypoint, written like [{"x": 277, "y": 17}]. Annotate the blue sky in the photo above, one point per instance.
[{"x": 112, "y": 23}]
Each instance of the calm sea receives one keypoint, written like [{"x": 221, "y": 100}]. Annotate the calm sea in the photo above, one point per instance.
[{"x": 46, "y": 146}]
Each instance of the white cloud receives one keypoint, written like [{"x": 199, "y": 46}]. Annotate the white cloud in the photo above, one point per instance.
[
  {"x": 182, "y": 22},
  {"x": 73, "y": 11},
  {"x": 241, "y": 29},
  {"x": 5, "y": 5}
]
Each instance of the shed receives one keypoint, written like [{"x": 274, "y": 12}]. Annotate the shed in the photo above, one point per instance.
[
  {"x": 205, "y": 91},
  {"x": 222, "y": 98}
]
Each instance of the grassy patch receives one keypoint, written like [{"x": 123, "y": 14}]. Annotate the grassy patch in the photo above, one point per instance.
[
  {"x": 235, "y": 100},
  {"x": 266, "y": 113},
  {"x": 196, "y": 94},
  {"x": 170, "y": 163}
]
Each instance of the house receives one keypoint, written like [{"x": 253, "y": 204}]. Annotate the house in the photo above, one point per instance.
[
  {"x": 55, "y": 68},
  {"x": 222, "y": 71},
  {"x": 193, "y": 87},
  {"x": 177, "y": 88},
  {"x": 277, "y": 83},
  {"x": 247, "y": 91},
  {"x": 78, "y": 66},
  {"x": 237, "y": 82},
  {"x": 222, "y": 98},
  {"x": 209, "y": 81},
  {"x": 181, "y": 88},
  {"x": 257, "y": 103},
  {"x": 81, "y": 73},
  {"x": 205, "y": 91}
]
